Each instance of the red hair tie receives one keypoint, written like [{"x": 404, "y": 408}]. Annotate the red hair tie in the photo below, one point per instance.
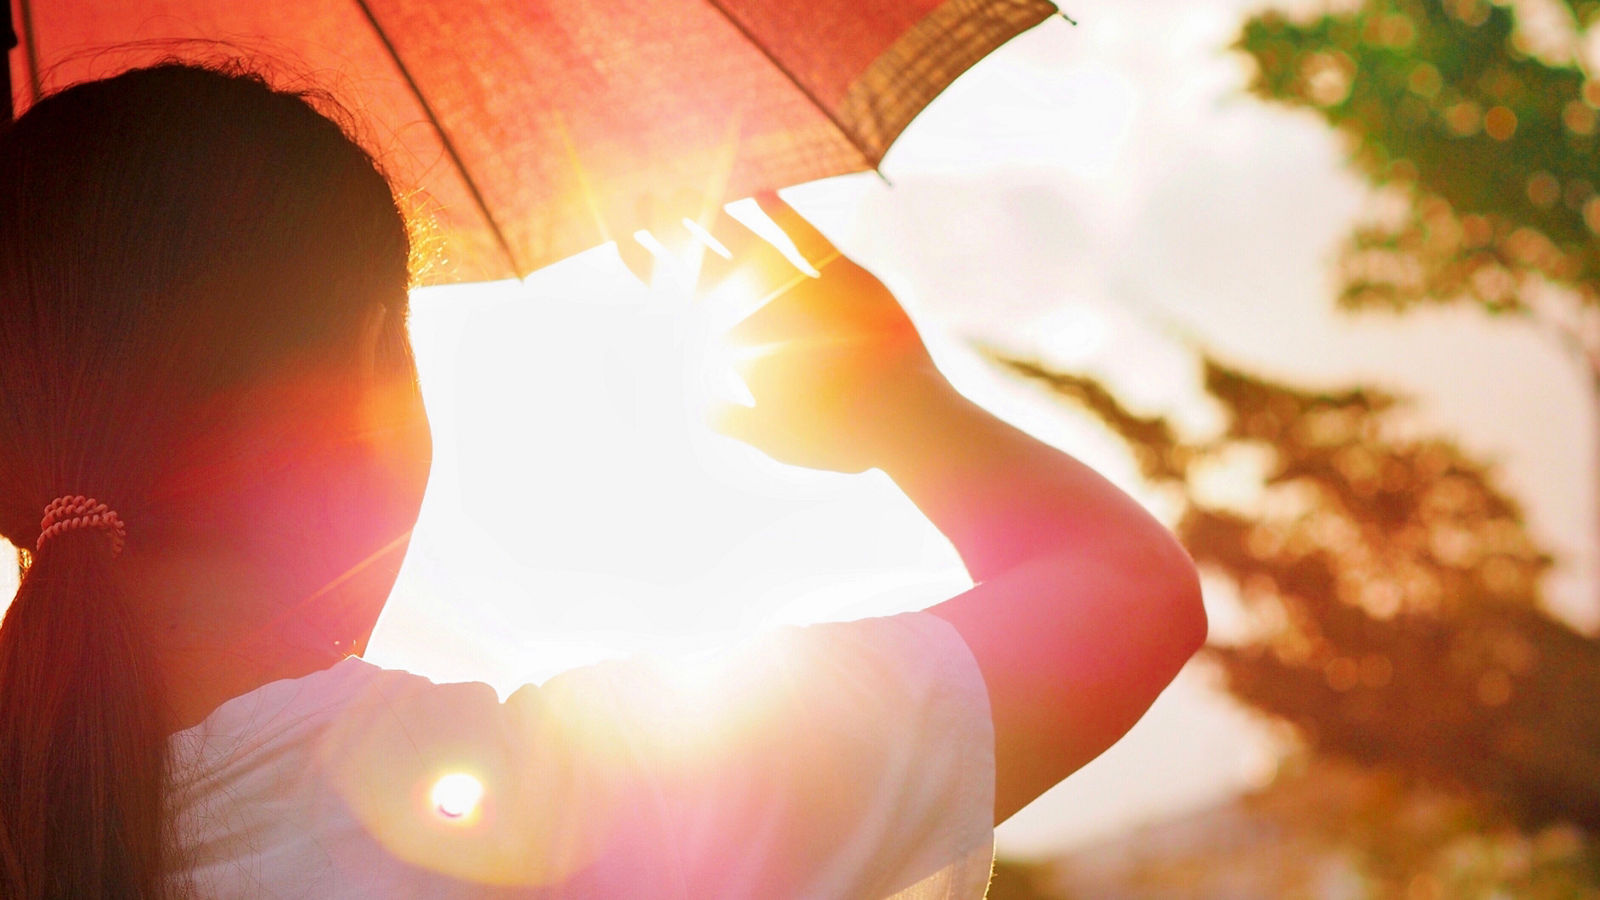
[{"x": 78, "y": 511}]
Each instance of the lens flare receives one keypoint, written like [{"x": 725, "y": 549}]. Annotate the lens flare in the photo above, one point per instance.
[{"x": 456, "y": 795}]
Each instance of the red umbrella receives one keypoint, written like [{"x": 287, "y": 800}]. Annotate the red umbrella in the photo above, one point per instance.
[{"x": 529, "y": 125}]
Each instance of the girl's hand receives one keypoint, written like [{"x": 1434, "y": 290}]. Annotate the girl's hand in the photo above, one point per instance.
[{"x": 833, "y": 361}]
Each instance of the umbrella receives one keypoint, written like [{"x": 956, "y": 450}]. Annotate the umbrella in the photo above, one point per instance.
[{"x": 526, "y": 127}]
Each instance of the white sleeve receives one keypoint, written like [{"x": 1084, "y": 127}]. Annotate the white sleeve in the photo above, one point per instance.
[
  {"x": 848, "y": 761},
  {"x": 844, "y": 760}
]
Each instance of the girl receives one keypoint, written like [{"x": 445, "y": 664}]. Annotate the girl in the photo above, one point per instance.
[{"x": 213, "y": 449}]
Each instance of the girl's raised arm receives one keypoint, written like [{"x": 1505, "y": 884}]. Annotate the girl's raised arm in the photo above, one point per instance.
[{"x": 1085, "y": 607}]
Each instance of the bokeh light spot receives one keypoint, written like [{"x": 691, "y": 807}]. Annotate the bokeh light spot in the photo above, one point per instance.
[{"x": 456, "y": 795}]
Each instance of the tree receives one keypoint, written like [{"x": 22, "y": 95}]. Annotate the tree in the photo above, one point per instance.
[
  {"x": 1395, "y": 590},
  {"x": 1483, "y": 144},
  {"x": 1398, "y": 591}
]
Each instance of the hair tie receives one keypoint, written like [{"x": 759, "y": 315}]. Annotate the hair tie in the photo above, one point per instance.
[{"x": 77, "y": 511}]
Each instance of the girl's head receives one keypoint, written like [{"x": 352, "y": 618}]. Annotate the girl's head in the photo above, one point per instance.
[{"x": 203, "y": 295}]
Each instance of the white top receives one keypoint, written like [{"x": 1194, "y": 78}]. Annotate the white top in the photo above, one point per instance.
[{"x": 845, "y": 760}]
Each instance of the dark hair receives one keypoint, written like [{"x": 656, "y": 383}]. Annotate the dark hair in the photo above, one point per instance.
[{"x": 166, "y": 234}]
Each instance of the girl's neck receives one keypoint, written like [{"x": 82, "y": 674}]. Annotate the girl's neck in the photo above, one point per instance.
[{"x": 221, "y": 630}]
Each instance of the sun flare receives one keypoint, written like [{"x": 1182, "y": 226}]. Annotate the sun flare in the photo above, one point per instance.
[{"x": 456, "y": 795}]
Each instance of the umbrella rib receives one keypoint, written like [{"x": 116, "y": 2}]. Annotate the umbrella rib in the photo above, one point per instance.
[
  {"x": 822, "y": 108},
  {"x": 444, "y": 139},
  {"x": 31, "y": 53}
]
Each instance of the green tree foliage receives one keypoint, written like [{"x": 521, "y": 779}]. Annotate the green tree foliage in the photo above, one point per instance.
[
  {"x": 1396, "y": 590},
  {"x": 1486, "y": 156}
]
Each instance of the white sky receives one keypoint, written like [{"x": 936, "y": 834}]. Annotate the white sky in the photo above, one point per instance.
[{"x": 1080, "y": 194}]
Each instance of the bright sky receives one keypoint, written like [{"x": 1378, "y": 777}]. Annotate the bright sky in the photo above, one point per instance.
[{"x": 1083, "y": 194}]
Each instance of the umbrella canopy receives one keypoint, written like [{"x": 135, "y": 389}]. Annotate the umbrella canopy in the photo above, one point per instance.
[{"x": 524, "y": 128}]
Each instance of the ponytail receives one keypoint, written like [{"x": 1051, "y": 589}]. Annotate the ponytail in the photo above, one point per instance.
[{"x": 82, "y": 747}]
